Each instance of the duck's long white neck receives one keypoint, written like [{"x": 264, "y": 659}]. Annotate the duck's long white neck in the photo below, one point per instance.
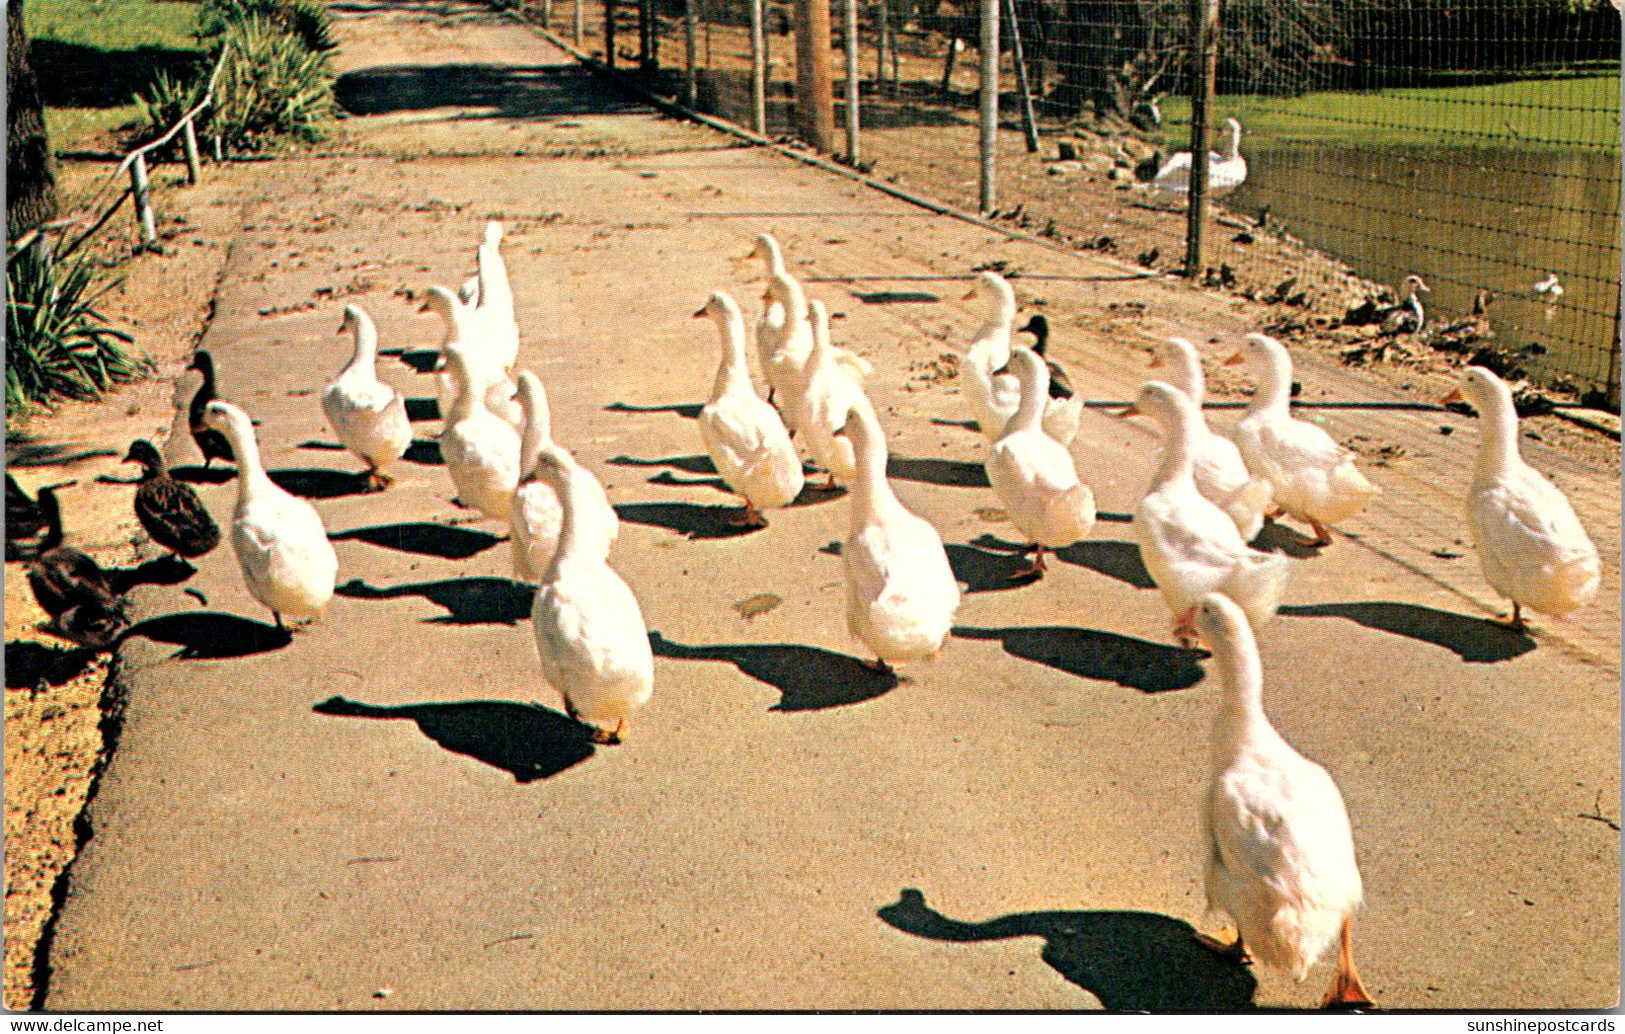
[
  {"x": 1182, "y": 368},
  {"x": 733, "y": 373},
  {"x": 1029, "y": 415},
  {"x": 1241, "y": 719},
  {"x": 365, "y": 357},
  {"x": 575, "y": 548},
  {"x": 538, "y": 420},
  {"x": 470, "y": 398},
  {"x": 1274, "y": 390},
  {"x": 252, "y": 480},
  {"x": 789, "y": 294},
  {"x": 872, "y": 495},
  {"x": 1180, "y": 424},
  {"x": 774, "y": 256},
  {"x": 1498, "y": 441},
  {"x": 998, "y": 327}
]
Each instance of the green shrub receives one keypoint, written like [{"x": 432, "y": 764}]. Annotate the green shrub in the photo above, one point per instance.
[
  {"x": 270, "y": 87},
  {"x": 164, "y": 102},
  {"x": 57, "y": 345},
  {"x": 307, "y": 19}
]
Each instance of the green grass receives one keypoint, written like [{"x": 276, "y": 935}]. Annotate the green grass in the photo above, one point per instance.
[
  {"x": 75, "y": 128},
  {"x": 115, "y": 24},
  {"x": 1565, "y": 111}
]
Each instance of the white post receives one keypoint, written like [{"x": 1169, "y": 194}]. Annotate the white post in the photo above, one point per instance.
[
  {"x": 758, "y": 70},
  {"x": 580, "y": 17},
  {"x": 143, "y": 203},
  {"x": 990, "y": 102},
  {"x": 852, "y": 83},
  {"x": 193, "y": 167}
]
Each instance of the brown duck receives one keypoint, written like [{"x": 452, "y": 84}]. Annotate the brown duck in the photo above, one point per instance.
[
  {"x": 25, "y": 522},
  {"x": 170, "y": 510},
  {"x": 211, "y": 442},
  {"x": 72, "y": 587}
]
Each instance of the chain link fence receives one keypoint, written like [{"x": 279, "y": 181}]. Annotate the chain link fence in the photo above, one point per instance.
[{"x": 1472, "y": 143}]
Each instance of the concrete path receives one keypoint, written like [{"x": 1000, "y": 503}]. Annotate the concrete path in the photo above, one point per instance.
[{"x": 377, "y": 815}]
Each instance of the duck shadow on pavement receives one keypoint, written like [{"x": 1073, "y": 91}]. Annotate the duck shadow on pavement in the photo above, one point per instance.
[
  {"x": 809, "y": 677},
  {"x": 1130, "y": 961},
  {"x": 206, "y": 635},
  {"x": 1120, "y": 560},
  {"x": 422, "y": 537},
  {"x": 320, "y": 483},
  {"x": 688, "y": 411},
  {"x": 954, "y": 473},
  {"x": 528, "y": 741},
  {"x": 691, "y": 519},
  {"x": 1475, "y": 640},
  {"x": 987, "y": 570},
  {"x": 467, "y": 601},
  {"x": 1092, "y": 654}
]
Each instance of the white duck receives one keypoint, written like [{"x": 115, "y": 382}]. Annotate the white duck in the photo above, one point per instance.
[
  {"x": 770, "y": 328},
  {"x": 1221, "y": 475},
  {"x": 743, "y": 434},
  {"x": 1280, "y": 847},
  {"x": 1530, "y": 543},
  {"x": 590, "y": 634},
  {"x": 537, "y": 516},
  {"x": 1063, "y": 411},
  {"x": 463, "y": 333},
  {"x": 481, "y": 449},
  {"x": 993, "y": 398},
  {"x": 1225, "y": 172},
  {"x": 827, "y": 394},
  {"x": 1314, "y": 478},
  {"x": 784, "y": 363},
  {"x": 900, "y": 590},
  {"x": 287, "y": 561},
  {"x": 1549, "y": 290},
  {"x": 1033, "y": 474},
  {"x": 1189, "y": 545},
  {"x": 368, "y": 415},
  {"x": 1408, "y": 317},
  {"x": 493, "y": 309}
]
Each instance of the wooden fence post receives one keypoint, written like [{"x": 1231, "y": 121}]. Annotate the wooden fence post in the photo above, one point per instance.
[
  {"x": 1029, "y": 125},
  {"x": 691, "y": 85},
  {"x": 852, "y": 83},
  {"x": 815, "y": 79},
  {"x": 1204, "y": 69},
  {"x": 579, "y": 27},
  {"x": 758, "y": 70},
  {"x": 143, "y": 203},
  {"x": 194, "y": 169},
  {"x": 990, "y": 104}
]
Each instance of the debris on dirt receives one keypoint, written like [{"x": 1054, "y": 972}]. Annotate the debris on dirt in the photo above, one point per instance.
[
  {"x": 1148, "y": 259},
  {"x": 757, "y": 605},
  {"x": 945, "y": 367},
  {"x": 284, "y": 310},
  {"x": 1375, "y": 454},
  {"x": 991, "y": 514}
]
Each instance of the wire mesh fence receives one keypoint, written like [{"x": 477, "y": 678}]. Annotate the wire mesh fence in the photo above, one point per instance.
[{"x": 1472, "y": 143}]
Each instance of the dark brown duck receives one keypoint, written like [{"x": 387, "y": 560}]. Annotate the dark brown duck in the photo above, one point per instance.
[
  {"x": 72, "y": 587},
  {"x": 170, "y": 510},
  {"x": 212, "y": 443}
]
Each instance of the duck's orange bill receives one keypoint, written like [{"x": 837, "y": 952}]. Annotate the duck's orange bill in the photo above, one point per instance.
[
  {"x": 1156, "y": 361},
  {"x": 1236, "y": 360},
  {"x": 701, "y": 314},
  {"x": 1454, "y": 396}
]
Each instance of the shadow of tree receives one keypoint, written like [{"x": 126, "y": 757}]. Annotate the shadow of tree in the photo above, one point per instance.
[
  {"x": 1120, "y": 560},
  {"x": 29, "y": 663},
  {"x": 104, "y": 78},
  {"x": 1092, "y": 654},
  {"x": 809, "y": 677},
  {"x": 518, "y": 93},
  {"x": 528, "y": 741},
  {"x": 318, "y": 483},
  {"x": 687, "y": 410},
  {"x": 1475, "y": 640},
  {"x": 691, "y": 519},
  {"x": 984, "y": 570},
  {"x": 938, "y": 472},
  {"x": 424, "y": 538},
  {"x": 205, "y": 635},
  {"x": 467, "y": 601},
  {"x": 1131, "y": 961}
]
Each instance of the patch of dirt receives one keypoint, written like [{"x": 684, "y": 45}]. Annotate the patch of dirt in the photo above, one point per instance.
[{"x": 55, "y": 691}]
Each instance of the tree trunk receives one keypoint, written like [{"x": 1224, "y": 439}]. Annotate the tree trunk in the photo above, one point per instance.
[{"x": 30, "y": 177}]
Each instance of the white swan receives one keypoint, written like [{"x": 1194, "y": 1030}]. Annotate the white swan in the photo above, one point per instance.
[
  {"x": 368, "y": 415},
  {"x": 826, "y": 396},
  {"x": 900, "y": 590},
  {"x": 1033, "y": 473},
  {"x": 1221, "y": 475},
  {"x": 537, "y": 516},
  {"x": 287, "y": 561},
  {"x": 1314, "y": 478},
  {"x": 463, "y": 332},
  {"x": 743, "y": 435},
  {"x": 1225, "y": 172},
  {"x": 481, "y": 449},
  {"x": 590, "y": 634},
  {"x": 1530, "y": 543},
  {"x": 1189, "y": 545},
  {"x": 1280, "y": 849}
]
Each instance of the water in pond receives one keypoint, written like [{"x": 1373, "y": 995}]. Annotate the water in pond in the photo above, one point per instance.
[{"x": 1464, "y": 219}]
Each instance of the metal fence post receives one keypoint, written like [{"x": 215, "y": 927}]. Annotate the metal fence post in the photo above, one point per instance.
[
  {"x": 691, "y": 86},
  {"x": 1028, "y": 124},
  {"x": 646, "y": 46},
  {"x": 547, "y": 14},
  {"x": 194, "y": 170},
  {"x": 609, "y": 33},
  {"x": 143, "y": 203},
  {"x": 882, "y": 36},
  {"x": 579, "y": 28},
  {"x": 1204, "y": 69},
  {"x": 990, "y": 102},
  {"x": 758, "y": 70},
  {"x": 852, "y": 83},
  {"x": 815, "y": 79}
]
